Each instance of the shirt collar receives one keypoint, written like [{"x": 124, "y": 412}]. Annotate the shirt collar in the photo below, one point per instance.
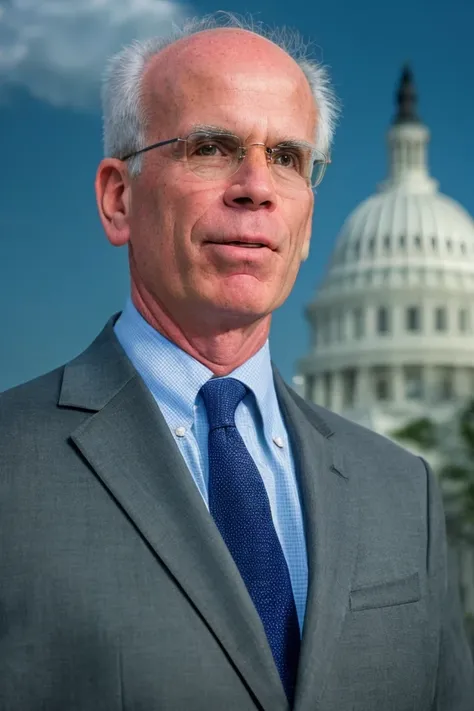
[{"x": 174, "y": 377}]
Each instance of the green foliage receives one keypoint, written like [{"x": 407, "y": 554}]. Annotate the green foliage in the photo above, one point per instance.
[
  {"x": 466, "y": 426},
  {"x": 421, "y": 432},
  {"x": 453, "y": 443},
  {"x": 454, "y": 472}
]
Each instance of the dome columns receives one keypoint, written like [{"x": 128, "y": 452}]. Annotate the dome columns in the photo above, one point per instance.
[{"x": 393, "y": 386}]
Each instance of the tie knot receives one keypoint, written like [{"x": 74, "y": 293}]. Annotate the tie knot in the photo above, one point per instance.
[{"x": 221, "y": 397}]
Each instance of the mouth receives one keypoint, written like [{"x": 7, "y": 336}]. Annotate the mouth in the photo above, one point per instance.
[
  {"x": 246, "y": 245},
  {"x": 244, "y": 242}
]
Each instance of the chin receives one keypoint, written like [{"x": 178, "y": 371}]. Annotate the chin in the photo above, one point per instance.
[{"x": 246, "y": 299}]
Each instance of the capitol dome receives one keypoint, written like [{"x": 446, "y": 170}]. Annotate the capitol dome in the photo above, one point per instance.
[
  {"x": 392, "y": 323},
  {"x": 396, "y": 224}
]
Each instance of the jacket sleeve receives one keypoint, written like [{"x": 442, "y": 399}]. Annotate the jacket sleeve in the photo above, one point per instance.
[{"x": 455, "y": 678}]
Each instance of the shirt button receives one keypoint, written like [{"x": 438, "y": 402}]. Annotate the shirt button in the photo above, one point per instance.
[
  {"x": 278, "y": 441},
  {"x": 180, "y": 431}
]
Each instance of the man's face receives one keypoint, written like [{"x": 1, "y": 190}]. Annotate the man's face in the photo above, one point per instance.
[{"x": 180, "y": 222}]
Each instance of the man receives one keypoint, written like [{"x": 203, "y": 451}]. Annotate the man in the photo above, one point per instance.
[{"x": 179, "y": 529}]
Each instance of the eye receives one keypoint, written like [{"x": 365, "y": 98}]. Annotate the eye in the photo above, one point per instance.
[
  {"x": 208, "y": 146},
  {"x": 207, "y": 150},
  {"x": 286, "y": 158}
]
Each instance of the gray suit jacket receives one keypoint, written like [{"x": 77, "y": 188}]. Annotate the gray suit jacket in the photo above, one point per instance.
[{"x": 118, "y": 593}]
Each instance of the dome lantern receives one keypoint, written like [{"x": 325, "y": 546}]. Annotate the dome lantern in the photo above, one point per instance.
[
  {"x": 408, "y": 140},
  {"x": 406, "y": 98}
]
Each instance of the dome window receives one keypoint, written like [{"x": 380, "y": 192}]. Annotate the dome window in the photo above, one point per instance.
[
  {"x": 358, "y": 322},
  {"x": 434, "y": 243},
  {"x": 413, "y": 320},
  {"x": 441, "y": 320},
  {"x": 371, "y": 245},
  {"x": 382, "y": 383},
  {"x": 449, "y": 245},
  {"x": 383, "y": 325},
  {"x": 446, "y": 382},
  {"x": 413, "y": 376},
  {"x": 463, "y": 248},
  {"x": 418, "y": 242},
  {"x": 356, "y": 249},
  {"x": 340, "y": 326},
  {"x": 386, "y": 243},
  {"x": 402, "y": 241},
  {"x": 349, "y": 379},
  {"x": 327, "y": 388},
  {"x": 463, "y": 320}
]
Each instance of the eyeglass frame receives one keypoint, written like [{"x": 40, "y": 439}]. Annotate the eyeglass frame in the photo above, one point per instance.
[{"x": 244, "y": 149}]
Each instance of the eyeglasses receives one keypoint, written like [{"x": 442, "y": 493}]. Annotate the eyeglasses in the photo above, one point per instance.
[{"x": 215, "y": 156}]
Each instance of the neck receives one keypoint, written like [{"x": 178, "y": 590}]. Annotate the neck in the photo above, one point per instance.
[{"x": 220, "y": 349}]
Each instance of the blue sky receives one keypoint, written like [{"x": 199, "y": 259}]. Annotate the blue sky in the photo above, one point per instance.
[{"x": 59, "y": 278}]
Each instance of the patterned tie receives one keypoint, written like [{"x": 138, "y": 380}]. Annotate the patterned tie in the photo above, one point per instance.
[{"x": 240, "y": 507}]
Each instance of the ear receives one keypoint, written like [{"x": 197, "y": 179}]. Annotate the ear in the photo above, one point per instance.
[
  {"x": 307, "y": 240},
  {"x": 113, "y": 195},
  {"x": 305, "y": 249}
]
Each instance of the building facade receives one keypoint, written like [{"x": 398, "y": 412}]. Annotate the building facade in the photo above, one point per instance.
[{"x": 392, "y": 323}]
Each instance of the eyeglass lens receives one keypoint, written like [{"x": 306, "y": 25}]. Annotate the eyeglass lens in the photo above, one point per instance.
[{"x": 213, "y": 156}]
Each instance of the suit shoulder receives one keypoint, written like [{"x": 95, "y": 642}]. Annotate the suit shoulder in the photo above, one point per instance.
[
  {"x": 364, "y": 443},
  {"x": 31, "y": 400},
  {"x": 392, "y": 482},
  {"x": 369, "y": 438}
]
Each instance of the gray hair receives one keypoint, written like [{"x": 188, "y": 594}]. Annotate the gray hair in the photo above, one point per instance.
[{"x": 124, "y": 121}]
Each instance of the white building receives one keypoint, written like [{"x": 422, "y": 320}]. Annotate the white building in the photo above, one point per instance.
[{"x": 392, "y": 323}]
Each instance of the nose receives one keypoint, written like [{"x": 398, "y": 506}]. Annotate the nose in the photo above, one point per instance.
[{"x": 251, "y": 186}]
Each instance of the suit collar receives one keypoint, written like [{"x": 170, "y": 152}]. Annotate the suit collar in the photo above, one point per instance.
[
  {"x": 95, "y": 376},
  {"x": 175, "y": 378},
  {"x": 92, "y": 379},
  {"x": 315, "y": 416}
]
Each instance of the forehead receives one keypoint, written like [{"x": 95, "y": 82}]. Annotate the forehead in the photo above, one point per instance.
[{"x": 228, "y": 79}]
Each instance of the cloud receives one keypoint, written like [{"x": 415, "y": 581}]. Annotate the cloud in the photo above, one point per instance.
[{"x": 57, "y": 49}]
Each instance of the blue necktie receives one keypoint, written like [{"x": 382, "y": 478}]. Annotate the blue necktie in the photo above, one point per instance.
[{"x": 239, "y": 504}]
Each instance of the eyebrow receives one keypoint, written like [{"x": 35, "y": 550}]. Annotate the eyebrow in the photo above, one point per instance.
[
  {"x": 220, "y": 130},
  {"x": 209, "y": 128}
]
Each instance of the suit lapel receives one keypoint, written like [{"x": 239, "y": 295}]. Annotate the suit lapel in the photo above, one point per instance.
[
  {"x": 331, "y": 526},
  {"x": 130, "y": 448}
]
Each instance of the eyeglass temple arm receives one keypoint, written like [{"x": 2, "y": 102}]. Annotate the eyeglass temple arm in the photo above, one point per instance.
[{"x": 149, "y": 148}]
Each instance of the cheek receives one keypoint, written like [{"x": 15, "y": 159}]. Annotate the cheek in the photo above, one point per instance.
[
  {"x": 301, "y": 231},
  {"x": 155, "y": 207},
  {"x": 150, "y": 227}
]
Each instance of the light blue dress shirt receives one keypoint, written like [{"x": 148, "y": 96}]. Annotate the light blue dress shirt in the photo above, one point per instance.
[{"x": 174, "y": 378}]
